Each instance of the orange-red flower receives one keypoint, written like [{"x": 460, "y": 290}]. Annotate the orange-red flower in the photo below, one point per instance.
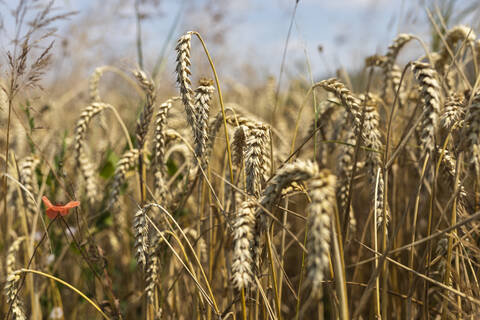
[{"x": 53, "y": 211}]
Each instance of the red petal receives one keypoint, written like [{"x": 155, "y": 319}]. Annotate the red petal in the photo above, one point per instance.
[
  {"x": 47, "y": 202},
  {"x": 72, "y": 204},
  {"x": 52, "y": 213}
]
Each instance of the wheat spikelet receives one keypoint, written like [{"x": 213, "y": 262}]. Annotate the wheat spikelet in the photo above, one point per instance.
[
  {"x": 430, "y": 92},
  {"x": 255, "y": 160},
  {"x": 86, "y": 167},
  {"x": 183, "y": 76},
  {"x": 27, "y": 178},
  {"x": 140, "y": 230},
  {"x": 203, "y": 95},
  {"x": 453, "y": 112},
  {"x": 127, "y": 162},
  {"x": 320, "y": 212},
  {"x": 242, "y": 233},
  {"x": 144, "y": 122},
  {"x": 13, "y": 296}
]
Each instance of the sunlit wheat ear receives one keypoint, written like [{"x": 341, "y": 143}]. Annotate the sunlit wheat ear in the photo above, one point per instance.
[
  {"x": 143, "y": 123},
  {"x": 82, "y": 161},
  {"x": 349, "y": 101},
  {"x": 321, "y": 210},
  {"x": 159, "y": 148},
  {"x": 13, "y": 297},
  {"x": 297, "y": 171},
  {"x": 430, "y": 93},
  {"x": 203, "y": 97},
  {"x": 27, "y": 178},
  {"x": 183, "y": 76},
  {"x": 471, "y": 132},
  {"x": 374, "y": 161},
  {"x": 453, "y": 112},
  {"x": 93, "y": 84},
  {"x": 255, "y": 160},
  {"x": 140, "y": 230},
  {"x": 126, "y": 163},
  {"x": 243, "y": 224}
]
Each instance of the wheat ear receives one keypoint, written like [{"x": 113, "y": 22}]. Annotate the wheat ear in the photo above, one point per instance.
[
  {"x": 203, "y": 97},
  {"x": 183, "y": 76},
  {"x": 150, "y": 95},
  {"x": 320, "y": 212},
  {"x": 430, "y": 92},
  {"x": 82, "y": 162},
  {"x": 242, "y": 260},
  {"x": 126, "y": 163},
  {"x": 27, "y": 178}
]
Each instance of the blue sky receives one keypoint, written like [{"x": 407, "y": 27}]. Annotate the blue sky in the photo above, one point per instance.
[{"x": 255, "y": 31}]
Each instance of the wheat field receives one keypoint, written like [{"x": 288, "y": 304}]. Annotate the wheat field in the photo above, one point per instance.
[{"x": 341, "y": 198}]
